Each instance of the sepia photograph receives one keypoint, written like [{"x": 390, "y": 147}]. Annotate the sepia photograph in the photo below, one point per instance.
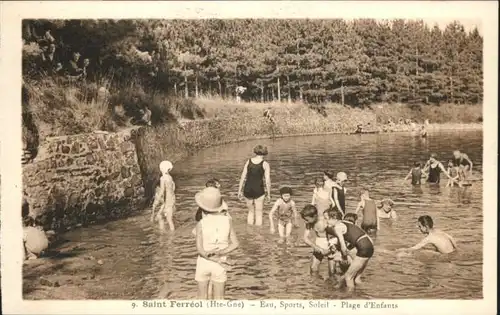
[{"x": 275, "y": 158}]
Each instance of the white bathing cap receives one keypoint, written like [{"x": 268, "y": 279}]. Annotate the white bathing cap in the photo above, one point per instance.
[{"x": 166, "y": 166}]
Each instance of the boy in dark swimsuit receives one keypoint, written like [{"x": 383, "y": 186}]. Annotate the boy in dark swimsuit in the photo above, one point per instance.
[
  {"x": 349, "y": 233},
  {"x": 370, "y": 222},
  {"x": 351, "y": 217},
  {"x": 416, "y": 174}
]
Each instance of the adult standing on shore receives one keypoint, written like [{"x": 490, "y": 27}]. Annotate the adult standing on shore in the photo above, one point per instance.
[
  {"x": 433, "y": 168},
  {"x": 255, "y": 184}
]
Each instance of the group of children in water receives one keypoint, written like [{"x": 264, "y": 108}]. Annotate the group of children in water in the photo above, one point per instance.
[
  {"x": 331, "y": 231},
  {"x": 457, "y": 170}
]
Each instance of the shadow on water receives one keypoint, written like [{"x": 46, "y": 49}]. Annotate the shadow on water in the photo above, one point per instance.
[{"x": 141, "y": 263}]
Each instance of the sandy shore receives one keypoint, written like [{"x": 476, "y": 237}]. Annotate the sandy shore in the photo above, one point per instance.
[{"x": 448, "y": 126}]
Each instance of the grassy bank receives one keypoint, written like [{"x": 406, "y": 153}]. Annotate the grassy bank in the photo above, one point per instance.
[{"x": 182, "y": 126}]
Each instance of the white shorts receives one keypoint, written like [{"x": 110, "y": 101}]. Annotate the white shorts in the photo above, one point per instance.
[{"x": 207, "y": 270}]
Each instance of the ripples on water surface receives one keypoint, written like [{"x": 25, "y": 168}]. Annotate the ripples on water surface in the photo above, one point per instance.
[{"x": 163, "y": 265}]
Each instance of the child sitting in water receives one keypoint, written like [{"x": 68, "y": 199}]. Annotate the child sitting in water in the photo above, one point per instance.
[
  {"x": 316, "y": 225},
  {"x": 415, "y": 174},
  {"x": 287, "y": 212},
  {"x": 385, "y": 210},
  {"x": 370, "y": 222},
  {"x": 443, "y": 242},
  {"x": 215, "y": 238},
  {"x": 165, "y": 197},
  {"x": 322, "y": 196},
  {"x": 34, "y": 238}
]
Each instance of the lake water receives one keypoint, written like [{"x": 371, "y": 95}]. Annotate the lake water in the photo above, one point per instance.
[{"x": 152, "y": 265}]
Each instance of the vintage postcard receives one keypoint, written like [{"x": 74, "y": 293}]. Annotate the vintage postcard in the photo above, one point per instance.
[{"x": 289, "y": 157}]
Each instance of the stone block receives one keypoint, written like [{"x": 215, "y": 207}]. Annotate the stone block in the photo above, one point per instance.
[{"x": 101, "y": 169}]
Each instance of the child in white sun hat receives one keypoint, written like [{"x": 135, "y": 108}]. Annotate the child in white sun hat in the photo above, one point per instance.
[
  {"x": 165, "y": 197},
  {"x": 215, "y": 238}
]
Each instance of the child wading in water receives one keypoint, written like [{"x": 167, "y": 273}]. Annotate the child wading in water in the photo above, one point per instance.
[
  {"x": 454, "y": 172},
  {"x": 287, "y": 212},
  {"x": 338, "y": 193},
  {"x": 351, "y": 235},
  {"x": 210, "y": 183},
  {"x": 165, "y": 197},
  {"x": 316, "y": 225},
  {"x": 199, "y": 213},
  {"x": 322, "y": 197},
  {"x": 443, "y": 242},
  {"x": 370, "y": 222},
  {"x": 415, "y": 174},
  {"x": 215, "y": 238}
]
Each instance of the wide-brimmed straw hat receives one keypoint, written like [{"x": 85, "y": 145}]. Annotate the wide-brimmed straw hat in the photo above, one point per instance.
[
  {"x": 210, "y": 200},
  {"x": 166, "y": 166}
]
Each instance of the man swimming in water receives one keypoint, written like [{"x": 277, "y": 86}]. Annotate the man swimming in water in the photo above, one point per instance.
[{"x": 443, "y": 242}]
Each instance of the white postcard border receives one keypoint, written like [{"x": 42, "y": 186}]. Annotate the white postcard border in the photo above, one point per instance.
[{"x": 10, "y": 61}]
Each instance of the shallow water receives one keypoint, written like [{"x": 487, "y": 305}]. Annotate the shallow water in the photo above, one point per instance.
[{"x": 154, "y": 265}]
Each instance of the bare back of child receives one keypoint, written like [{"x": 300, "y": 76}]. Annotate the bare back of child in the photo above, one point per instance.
[{"x": 370, "y": 221}]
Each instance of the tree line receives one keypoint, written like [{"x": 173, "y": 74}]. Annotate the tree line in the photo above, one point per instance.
[{"x": 356, "y": 63}]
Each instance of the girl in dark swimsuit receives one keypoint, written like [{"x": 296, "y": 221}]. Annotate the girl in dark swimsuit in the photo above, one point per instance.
[
  {"x": 255, "y": 184},
  {"x": 338, "y": 194},
  {"x": 435, "y": 168}
]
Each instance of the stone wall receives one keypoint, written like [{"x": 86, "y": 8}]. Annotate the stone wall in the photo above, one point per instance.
[{"x": 82, "y": 178}]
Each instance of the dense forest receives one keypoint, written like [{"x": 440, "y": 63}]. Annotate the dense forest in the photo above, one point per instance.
[{"x": 355, "y": 63}]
